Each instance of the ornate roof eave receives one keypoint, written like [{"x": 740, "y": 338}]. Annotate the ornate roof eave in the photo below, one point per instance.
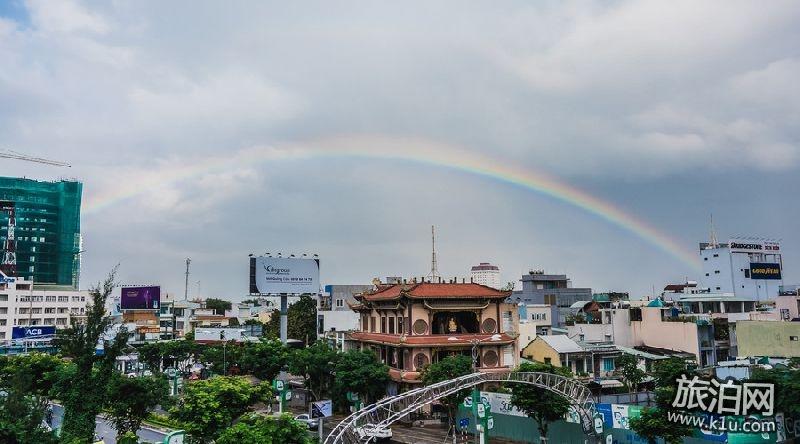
[{"x": 479, "y": 306}]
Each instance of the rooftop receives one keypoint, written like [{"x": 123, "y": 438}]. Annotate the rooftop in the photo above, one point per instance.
[
  {"x": 429, "y": 290},
  {"x": 562, "y": 344}
]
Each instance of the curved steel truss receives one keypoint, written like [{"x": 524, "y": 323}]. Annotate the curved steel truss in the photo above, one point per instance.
[{"x": 388, "y": 410}]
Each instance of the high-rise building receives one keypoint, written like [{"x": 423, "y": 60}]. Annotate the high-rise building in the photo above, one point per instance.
[
  {"x": 486, "y": 274},
  {"x": 40, "y": 230}
]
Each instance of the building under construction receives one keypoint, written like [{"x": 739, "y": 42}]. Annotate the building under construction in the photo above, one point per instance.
[{"x": 40, "y": 230}]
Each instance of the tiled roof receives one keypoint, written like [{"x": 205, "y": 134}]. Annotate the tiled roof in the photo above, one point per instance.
[
  {"x": 429, "y": 340},
  {"x": 435, "y": 290}
]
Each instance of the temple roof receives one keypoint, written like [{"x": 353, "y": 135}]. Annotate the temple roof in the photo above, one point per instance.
[{"x": 429, "y": 290}]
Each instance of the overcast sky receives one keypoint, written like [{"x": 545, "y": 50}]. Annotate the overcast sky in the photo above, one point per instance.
[{"x": 670, "y": 111}]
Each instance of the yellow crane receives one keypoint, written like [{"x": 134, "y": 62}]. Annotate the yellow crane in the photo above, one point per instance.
[{"x": 8, "y": 154}]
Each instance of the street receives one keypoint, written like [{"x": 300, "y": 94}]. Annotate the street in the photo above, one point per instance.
[{"x": 106, "y": 431}]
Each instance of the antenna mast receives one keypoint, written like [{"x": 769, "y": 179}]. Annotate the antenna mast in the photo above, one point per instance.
[
  {"x": 713, "y": 243},
  {"x": 434, "y": 274},
  {"x": 186, "y": 287}
]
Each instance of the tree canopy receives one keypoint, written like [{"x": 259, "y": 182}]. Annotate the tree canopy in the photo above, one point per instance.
[
  {"x": 445, "y": 369},
  {"x": 628, "y": 369},
  {"x": 26, "y": 381},
  {"x": 316, "y": 364},
  {"x": 653, "y": 422},
  {"x": 540, "y": 404},
  {"x": 218, "y": 305},
  {"x": 93, "y": 349},
  {"x": 210, "y": 406},
  {"x": 258, "y": 429},
  {"x": 131, "y": 399},
  {"x": 361, "y": 372}
]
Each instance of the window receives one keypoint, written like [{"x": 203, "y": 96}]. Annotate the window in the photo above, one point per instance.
[
  {"x": 3, "y": 298},
  {"x": 793, "y": 338},
  {"x": 581, "y": 337},
  {"x": 49, "y": 298},
  {"x": 716, "y": 255},
  {"x": 391, "y": 325},
  {"x": 372, "y": 324},
  {"x": 549, "y": 299},
  {"x": 747, "y": 275},
  {"x": 61, "y": 321},
  {"x": 49, "y": 310},
  {"x": 339, "y": 303},
  {"x": 63, "y": 299},
  {"x": 716, "y": 271},
  {"x": 548, "y": 361},
  {"x": 383, "y": 324},
  {"x": 608, "y": 364},
  {"x": 400, "y": 321}
]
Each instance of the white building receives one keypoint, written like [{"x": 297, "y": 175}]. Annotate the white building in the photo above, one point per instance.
[
  {"x": 486, "y": 274},
  {"x": 24, "y": 303},
  {"x": 744, "y": 267}
]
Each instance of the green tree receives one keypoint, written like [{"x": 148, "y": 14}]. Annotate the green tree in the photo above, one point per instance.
[
  {"x": 131, "y": 399},
  {"x": 210, "y": 406},
  {"x": 445, "y": 369},
  {"x": 218, "y": 305},
  {"x": 316, "y": 364},
  {"x": 787, "y": 388},
  {"x": 258, "y": 429},
  {"x": 223, "y": 359},
  {"x": 301, "y": 321},
  {"x": 628, "y": 369},
  {"x": 653, "y": 422},
  {"x": 542, "y": 405},
  {"x": 83, "y": 401},
  {"x": 26, "y": 381},
  {"x": 361, "y": 372},
  {"x": 264, "y": 359}
]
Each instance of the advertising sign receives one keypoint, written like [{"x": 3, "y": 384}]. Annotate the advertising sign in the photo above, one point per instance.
[
  {"x": 765, "y": 271},
  {"x": 754, "y": 246},
  {"x": 322, "y": 409},
  {"x": 276, "y": 275},
  {"x": 32, "y": 332},
  {"x": 140, "y": 298}
]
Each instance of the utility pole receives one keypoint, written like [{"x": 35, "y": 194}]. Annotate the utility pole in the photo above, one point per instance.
[{"x": 186, "y": 287}]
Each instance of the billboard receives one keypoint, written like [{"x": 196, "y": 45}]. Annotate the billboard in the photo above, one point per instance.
[
  {"x": 275, "y": 275},
  {"x": 754, "y": 246},
  {"x": 32, "y": 332},
  {"x": 765, "y": 271},
  {"x": 140, "y": 298}
]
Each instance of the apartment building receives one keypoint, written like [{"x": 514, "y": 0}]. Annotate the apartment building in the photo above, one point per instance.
[{"x": 25, "y": 303}]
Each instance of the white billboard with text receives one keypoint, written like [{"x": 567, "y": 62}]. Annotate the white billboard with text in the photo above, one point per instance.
[{"x": 276, "y": 275}]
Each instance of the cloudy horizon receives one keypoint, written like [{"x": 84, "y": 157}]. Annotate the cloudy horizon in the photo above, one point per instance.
[{"x": 666, "y": 112}]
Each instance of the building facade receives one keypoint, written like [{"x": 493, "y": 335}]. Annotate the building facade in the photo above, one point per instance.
[
  {"x": 40, "y": 230},
  {"x": 410, "y": 326},
  {"x": 550, "y": 289},
  {"x": 23, "y": 303},
  {"x": 486, "y": 274},
  {"x": 746, "y": 268}
]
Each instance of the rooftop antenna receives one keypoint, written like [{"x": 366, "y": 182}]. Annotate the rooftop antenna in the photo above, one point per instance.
[
  {"x": 186, "y": 287},
  {"x": 434, "y": 274},
  {"x": 713, "y": 241}
]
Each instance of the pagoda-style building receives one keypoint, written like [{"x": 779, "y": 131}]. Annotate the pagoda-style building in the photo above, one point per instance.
[{"x": 412, "y": 325}]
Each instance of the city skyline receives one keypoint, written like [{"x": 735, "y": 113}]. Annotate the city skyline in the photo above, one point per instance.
[{"x": 278, "y": 131}]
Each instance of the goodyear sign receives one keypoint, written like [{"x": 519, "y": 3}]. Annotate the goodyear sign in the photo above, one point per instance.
[{"x": 765, "y": 271}]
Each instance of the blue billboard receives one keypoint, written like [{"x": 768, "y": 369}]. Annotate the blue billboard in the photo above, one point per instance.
[{"x": 32, "y": 332}]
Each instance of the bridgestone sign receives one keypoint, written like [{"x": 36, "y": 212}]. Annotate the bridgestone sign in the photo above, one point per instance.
[{"x": 275, "y": 275}]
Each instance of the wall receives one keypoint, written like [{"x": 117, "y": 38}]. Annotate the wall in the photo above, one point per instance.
[
  {"x": 768, "y": 338},
  {"x": 538, "y": 350},
  {"x": 789, "y": 303},
  {"x": 653, "y": 332}
]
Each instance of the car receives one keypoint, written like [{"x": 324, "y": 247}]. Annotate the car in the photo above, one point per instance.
[
  {"x": 373, "y": 432},
  {"x": 307, "y": 420}
]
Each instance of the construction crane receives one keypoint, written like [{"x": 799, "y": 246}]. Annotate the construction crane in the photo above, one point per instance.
[{"x": 8, "y": 154}]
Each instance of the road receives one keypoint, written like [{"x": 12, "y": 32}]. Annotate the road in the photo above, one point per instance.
[{"x": 106, "y": 431}]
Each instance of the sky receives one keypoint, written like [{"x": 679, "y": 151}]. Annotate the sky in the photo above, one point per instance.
[{"x": 213, "y": 130}]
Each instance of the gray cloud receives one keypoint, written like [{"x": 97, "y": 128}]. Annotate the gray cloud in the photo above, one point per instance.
[{"x": 615, "y": 97}]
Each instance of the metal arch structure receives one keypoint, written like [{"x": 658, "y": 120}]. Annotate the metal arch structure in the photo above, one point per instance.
[{"x": 388, "y": 410}]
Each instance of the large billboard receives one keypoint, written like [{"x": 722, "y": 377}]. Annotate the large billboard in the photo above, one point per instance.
[
  {"x": 140, "y": 298},
  {"x": 754, "y": 246},
  {"x": 277, "y": 275},
  {"x": 765, "y": 271},
  {"x": 32, "y": 332}
]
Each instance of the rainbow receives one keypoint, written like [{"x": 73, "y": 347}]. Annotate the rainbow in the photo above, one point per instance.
[{"x": 399, "y": 149}]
